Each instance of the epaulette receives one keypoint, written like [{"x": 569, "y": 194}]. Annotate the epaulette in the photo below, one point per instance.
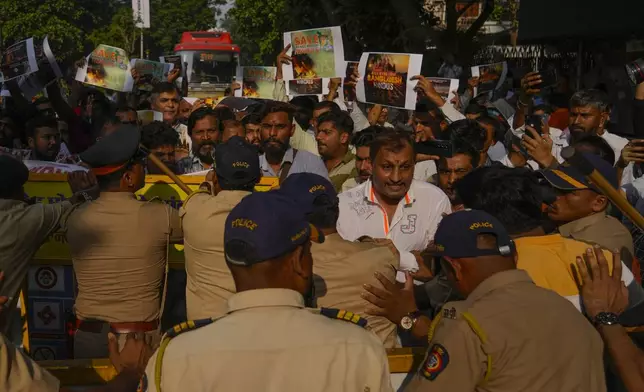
[
  {"x": 198, "y": 191},
  {"x": 344, "y": 315},
  {"x": 167, "y": 337}
]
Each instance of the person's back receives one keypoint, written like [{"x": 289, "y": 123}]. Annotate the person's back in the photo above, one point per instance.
[
  {"x": 119, "y": 248},
  {"x": 341, "y": 268},
  {"x": 557, "y": 351},
  {"x": 270, "y": 342},
  {"x": 549, "y": 259},
  {"x": 209, "y": 283}
]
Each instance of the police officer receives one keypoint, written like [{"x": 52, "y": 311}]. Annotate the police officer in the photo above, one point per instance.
[
  {"x": 119, "y": 248},
  {"x": 209, "y": 283},
  {"x": 24, "y": 226},
  {"x": 268, "y": 340},
  {"x": 508, "y": 334},
  {"x": 342, "y": 267}
]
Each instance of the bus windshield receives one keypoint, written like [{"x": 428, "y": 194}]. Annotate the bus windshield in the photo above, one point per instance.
[{"x": 211, "y": 66}]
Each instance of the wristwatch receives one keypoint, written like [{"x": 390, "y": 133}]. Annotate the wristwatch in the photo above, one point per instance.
[
  {"x": 408, "y": 321},
  {"x": 606, "y": 318}
]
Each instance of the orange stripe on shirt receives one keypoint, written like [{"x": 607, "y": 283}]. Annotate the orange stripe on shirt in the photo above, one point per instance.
[{"x": 384, "y": 213}]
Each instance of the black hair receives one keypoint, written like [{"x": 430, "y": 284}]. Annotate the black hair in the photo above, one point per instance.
[
  {"x": 278, "y": 107},
  {"x": 342, "y": 121},
  {"x": 544, "y": 107},
  {"x": 367, "y": 135},
  {"x": 475, "y": 108},
  {"x": 224, "y": 113},
  {"x": 125, "y": 108},
  {"x": 40, "y": 121},
  {"x": 157, "y": 134},
  {"x": 199, "y": 114},
  {"x": 598, "y": 146},
  {"x": 593, "y": 97},
  {"x": 252, "y": 118},
  {"x": 390, "y": 140},
  {"x": 424, "y": 105},
  {"x": 304, "y": 105},
  {"x": 164, "y": 87},
  {"x": 325, "y": 212},
  {"x": 465, "y": 149},
  {"x": 497, "y": 125},
  {"x": 468, "y": 131},
  {"x": 103, "y": 112},
  {"x": 327, "y": 105},
  {"x": 513, "y": 196}
]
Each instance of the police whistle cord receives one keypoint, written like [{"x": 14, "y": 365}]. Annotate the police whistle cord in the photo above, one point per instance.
[
  {"x": 586, "y": 168},
  {"x": 167, "y": 171}
]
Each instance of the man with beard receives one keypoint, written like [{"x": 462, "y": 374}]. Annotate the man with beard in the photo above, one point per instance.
[
  {"x": 392, "y": 204},
  {"x": 361, "y": 141},
  {"x": 161, "y": 140},
  {"x": 279, "y": 159},
  {"x": 203, "y": 129},
  {"x": 252, "y": 124},
  {"x": 43, "y": 138},
  {"x": 267, "y": 247},
  {"x": 589, "y": 114},
  {"x": 333, "y": 134},
  {"x": 463, "y": 160}
]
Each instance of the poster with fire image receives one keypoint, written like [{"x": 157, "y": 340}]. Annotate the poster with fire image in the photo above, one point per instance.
[
  {"x": 107, "y": 67},
  {"x": 17, "y": 60},
  {"x": 386, "y": 77},
  {"x": 258, "y": 82},
  {"x": 316, "y": 53}
]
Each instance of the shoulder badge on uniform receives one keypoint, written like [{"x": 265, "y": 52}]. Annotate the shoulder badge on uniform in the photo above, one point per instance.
[
  {"x": 436, "y": 361},
  {"x": 190, "y": 325},
  {"x": 344, "y": 315},
  {"x": 143, "y": 384},
  {"x": 449, "y": 313}
]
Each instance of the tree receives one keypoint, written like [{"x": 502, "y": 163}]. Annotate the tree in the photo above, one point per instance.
[
  {"x": 170, "y": 18},
  {"x": 121, "y": 32}
]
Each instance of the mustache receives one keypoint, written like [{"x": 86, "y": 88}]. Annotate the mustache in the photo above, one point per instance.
[{"x": 272, "y": 140}]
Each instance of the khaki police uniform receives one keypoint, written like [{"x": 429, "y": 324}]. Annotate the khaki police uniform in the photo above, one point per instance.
[
  {"x": 344, "y": 170},
  {"x": 599, "y": 229},
  {"x": 340, "y": 270},
  {"x": 209, "y": 283},
  {"x": 18, "y": 373},
  {"x": 119, "y": 252},
  {"x": 23, "y": 229},
  {"x": 510, "y": 335},
  {"x": 268, "y": 341}
]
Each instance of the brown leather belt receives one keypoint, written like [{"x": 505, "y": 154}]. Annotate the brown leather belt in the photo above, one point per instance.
[{"x": 96, "y": 326}]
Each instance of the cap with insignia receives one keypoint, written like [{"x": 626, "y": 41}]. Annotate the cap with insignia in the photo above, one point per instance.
[
  {"x": 13, "y": 175},
  {"x": 457, "y": 235},
  {"x": 307, "y": 188},
  {"x": 264, "y": 226},
  {"x": 114, "y": 151},
  {"x": 237, "y": 162},
  {"x": 568, "y": 178}
]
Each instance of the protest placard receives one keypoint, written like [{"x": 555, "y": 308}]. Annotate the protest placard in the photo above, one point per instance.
[
  {"x": 349, "y": 90},
  {"x": 18, "y": 59},
  {"x": 107, "y": 67},
  {"x": 491, "y": 76},
  {"x": 147, "y": 116},
  {"x": 175, "y": 60},
  {"x": 445, "y": 87},
  {"x": 149, "y": 73},
  {"x": 386, "y": 79},
  {"x": 308, "y": 87},
  {"x": 47, "y": 73},
  {"x": 258, "y": 82}
]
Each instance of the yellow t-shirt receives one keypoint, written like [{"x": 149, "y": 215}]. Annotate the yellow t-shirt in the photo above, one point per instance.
[{"x": 549, "y": 261}]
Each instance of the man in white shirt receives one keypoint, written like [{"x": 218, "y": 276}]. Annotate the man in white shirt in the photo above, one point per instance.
[{"x": 391, "y": 204}]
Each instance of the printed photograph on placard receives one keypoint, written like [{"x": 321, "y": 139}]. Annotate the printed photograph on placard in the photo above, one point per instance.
[
  {"x": 491, "y": 76},
  {"x": 386, "y": 79},
  {"x": 150, "y": 73},
  {"x": 305, "y": 87},
  {"x": 445, "y": 87},
  {"x": 48, "y": 71},
  {"x": 175, "y": 60},
  {"x": 19, "y": 59},
  {"x": 258, "y": 82},
  {"x": 349, "y": 91},
  {"x": 107, "y": 67},
  {"x": 312, "y": 55}
]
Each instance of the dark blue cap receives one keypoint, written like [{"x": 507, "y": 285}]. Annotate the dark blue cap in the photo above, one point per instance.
[
  {"x": 305, "y": 188},
  {"x": 237, "y": 162},
  {"x": 457, "y": 234},
  {"x": 265, "y": 226},
  {"x": 568, "y": 178}
]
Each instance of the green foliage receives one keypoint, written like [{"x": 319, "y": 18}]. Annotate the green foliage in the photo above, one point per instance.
[
  {"x": 121, "y": 32},
  {"x": 258, "y": 27}
]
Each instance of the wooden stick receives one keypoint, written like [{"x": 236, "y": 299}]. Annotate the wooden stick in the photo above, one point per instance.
[{"x": 169, "y": 173}]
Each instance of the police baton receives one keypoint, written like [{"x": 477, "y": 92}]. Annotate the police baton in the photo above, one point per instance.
[
  {"x": 586, "y": 168},
  {"x": 166, "y": 170}
]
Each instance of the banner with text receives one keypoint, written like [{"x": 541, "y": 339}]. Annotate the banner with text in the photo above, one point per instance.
[{"x": 258, "y": 82}]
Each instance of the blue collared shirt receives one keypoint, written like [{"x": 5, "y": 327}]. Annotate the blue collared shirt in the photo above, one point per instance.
[{"x": 304, "y": 162}]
